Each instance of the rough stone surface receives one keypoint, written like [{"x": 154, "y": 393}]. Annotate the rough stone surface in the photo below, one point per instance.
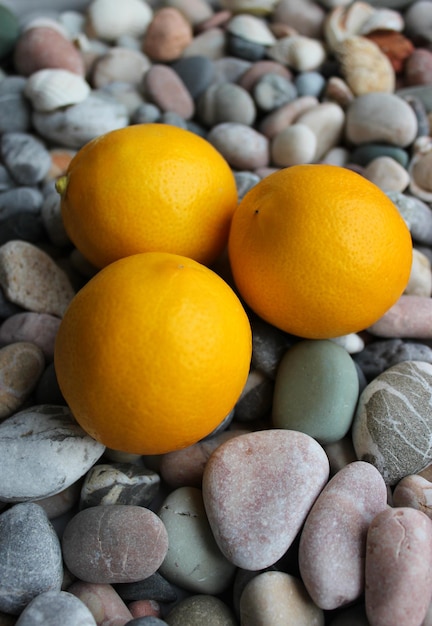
[
  {"x": 97, "y": 549},
  {"x": 30, "y": 556},
  {"x": 258, "y": 489}
]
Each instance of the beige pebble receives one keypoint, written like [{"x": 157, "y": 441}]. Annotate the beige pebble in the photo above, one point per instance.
[
  {"x": 306, "y": 17},
  {"x": 21, "y": 366},
  {"x": 337, "y": 156},
  {"x": 109, "y": 19},
  {"x": 300, "y": 53},
  {"x": 30, "y": 278},
  {"x": 251, "y": 28},
  {"x": 365, "y": 68},
  {"x": 414, "y": 491},
  {"x": 167, "y": 35},
  {"x": 210, "y": 43},
  {"x": 293, "y": 145},
  {"x": 285, "y": 115},
  {"x": 398, "y": 568},
  {"x": 276, "y": 598},
  {"x": 37, "y": 328},
  {"x": 410, "y": 317},
  {"x": 164, "y": 87},
  {"x": 336, "y": 90},
  {"x": 226, "y": 102},
  {"x": 380, "y": 117},
  {"x": 119, "y": 64},
  {"x": 327, "y": 121},
  {"x": 242, "y": 146},
  {"x": 196, "y": 12},
  {"x": 420, "y": 170},
  {"x": 387, "y": 174},
  {"x": 420, "y": 281}
]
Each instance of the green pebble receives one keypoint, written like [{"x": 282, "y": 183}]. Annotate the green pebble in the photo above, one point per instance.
[
  {"x": 9, "y": 31},
  {"x": 366, "y": 153},
  {"x": 316, "y": 390}
]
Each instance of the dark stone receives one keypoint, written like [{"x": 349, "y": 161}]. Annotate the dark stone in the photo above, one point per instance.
[{"x": 155, "y": 587}]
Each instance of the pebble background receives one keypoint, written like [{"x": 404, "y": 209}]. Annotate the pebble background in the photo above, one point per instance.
[{"x": 310, "y": 504}]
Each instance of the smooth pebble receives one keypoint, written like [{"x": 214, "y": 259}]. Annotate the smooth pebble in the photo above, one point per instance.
[
  {"x": 196, "y": 73},
  {"x": 163, "y": 87},
  {"x": 154, "y": 587},
  {"x": 30, "y": 278},
  {"x": 274, "y": 598},
  {"x": 398, "y": 567},
  {"x": 417, "y": 215},
  {"x": 197, "y": 610},
  {"x": 410, "y": 317},
  {"x": 387, "y": 174},
  {"x": 242, "y": 146},
  {"x": 413, "y": 491},
  {"x": 108, "y": 20},
  {"x": 226, "y": 103},
  {"x": 316, "y": 390},
  {"x": 276, "y": 121},
  {"x": 44, "y": 47},
  {"x": 420, "y": 280},
  {"x": 43, "y": 451},
  {"x": 30, "y": 556},
  {"x": 120, "y": 64},
  {"x": 392, "y": 421},
  {"x": 96, "y": 548},
  {"x": 26, "y": 157},
  {"x": 193, "y": 560},
  {"x": 44, "y": 610},
  {"x": 379, "y": 355},
  {"x": 21, "y": 366},
  {"x": 102, "y": 601},
  {"x": 167, "y": 36},
  {"x": 15, "y": 108},
  {"x": 281, "y": 473},
  {"x": 273, "y": 91},
  {"x": 327, "y": 121},
  {"x": 38, "y": 328},
  {"x": 332, "y": 545}
]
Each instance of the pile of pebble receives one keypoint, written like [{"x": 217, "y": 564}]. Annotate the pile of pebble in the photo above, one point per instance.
[{"x": 310, "y": 505}]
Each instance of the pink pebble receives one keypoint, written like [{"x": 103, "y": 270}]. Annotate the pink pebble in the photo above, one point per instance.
[
  {"x": 398, "y": 567},
  {"x": 164, "y": 87},
  {"x": 410, "y": 317},
  {"x": 104, "y": 603},
  {"x": 144, "y": 608},
  {"x": 44, "y": 47}
]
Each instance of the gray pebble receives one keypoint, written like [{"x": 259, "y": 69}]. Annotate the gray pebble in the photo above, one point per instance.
[
  {"x": 43, "y": 451},
  {"x": 226, "y": 102},
  {"x": 362, "y": 155},
  {"x": 245, "y": 49},
  {"x": 20, "y": 200},
  {"x": 309, "y": 84},
  {"x": 24, "y": 226},
  {"x": 424, "y": 126},
  {"x": 7, "y": 308},
  {"x": 15, "y": 109},
  {"x": 6, "y": 181},
  {"x": 30, "y": 278},
  {"x": 196, "y": 72},
  {"x": 47, "y": 390},
  {"x": 391, "y": 428},
  {"x": 21, "y": 366},
  {"x": 52, "y": 219},
  {"x": 37, "y": 328},
  {"x": 173, "y": 119},
  {"x": 271, "y": 91},
  {"x": 74, "y": 126},
  {"x": 416, "y": 214},
  {"x": 269, "y": 344},
  {"x": 48, "y": 607},
  {"x": 119, "y": 483},
  {"x": 154, "y": 587},
  {"x": 256, "y": 399},
  {"x": 26, "y": 157},
  {"x": 201, "y": 609},
  {"x": 245, "y": 181},
  {"x": 30, "y": 556},
  {"x": 380, "y": 355},
  {"x": 242, "y": 146}
]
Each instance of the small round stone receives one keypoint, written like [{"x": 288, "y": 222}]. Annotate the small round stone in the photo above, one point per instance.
[
  {"x": 21, "y": 366},
  {"x": 154, "y": 587},
  {"x": 30, "y": 556},
  {"x": 410, "y": 317},
  {"x": 167, "y": 36},
  {"x": 242, "y": 146},
  {"x": 294, "y": 145},
  {"x": 417, "y": 216},
  {"x": 310, "y": 84},
  {"x": 316, "y": 390},
  {"x": 163, "y": 86},
  {"x": 45, "y": 47},
  {"x": 392, "y": 421},
  {"x": 44, "y": 610},
  {"x": 272, "y": 91},
  {"x": 201, "y": 609},
  {"x": 26, "y": 158},
  {"x": 378, "y": 356},
  {"x": 15, "y": 109},
  {"x": 196, "y": 73},
  {"x": 103, "y": 601},
  {"x": 387, "y": 174},
  {"x": 96, "y": 548},
  {"x": 364, "y": 154},
  {"x": 226, "y": 103},
  {"x": 327, "y": 121},
  {"x": 20, "y": 200}
]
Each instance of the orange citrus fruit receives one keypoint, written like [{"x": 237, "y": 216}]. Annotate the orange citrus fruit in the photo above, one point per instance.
[
  {"x": 319, "y": 251},
  {"x": 148, "y": 188},
  {"x": 153, "y": 353}
]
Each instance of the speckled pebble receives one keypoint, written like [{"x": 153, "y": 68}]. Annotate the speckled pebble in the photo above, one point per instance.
[
  {"x": 256, "y": 525},
  {"x": 193, "y": 560},
  {"x": 365, "y": 68},
  {"x": 242, "y": 146},
  {"x": 378, "y": 356},
  {"x": 197, "y": 610},
  {"x": 398, "y": 567},
  {"x": 45, "y": 432},
  {"x": 37, "y": 328},
  {"x": 102, "y": 601},
  {"x": 410, "y": 317},
  {"x": 274, "y": 598},
  {"x": 119, "y": 483},
  {"x": 413, "y": 491},
  {"x": 163, "y": 87},
  {"x": 45, "y": 47},
  {"x": 332, "y": 545},
  {"x": 30, "y": 278},
  {"x": 44, "y": 610},
  {"x": 316, "y": 390},
  {"x": 21, "y": 366},
  {"x": 167, "y": 36},
  {"x": 30, "y": 556},
  {"x": 25, "y": 156},
  {"x": 97, "y": 550},
  {"x": 393, "y": 413},
  {"x": 226, "y": 103}
]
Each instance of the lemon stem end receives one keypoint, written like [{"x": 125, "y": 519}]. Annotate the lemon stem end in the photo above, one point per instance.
[{"x": 61, "y": 184}]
